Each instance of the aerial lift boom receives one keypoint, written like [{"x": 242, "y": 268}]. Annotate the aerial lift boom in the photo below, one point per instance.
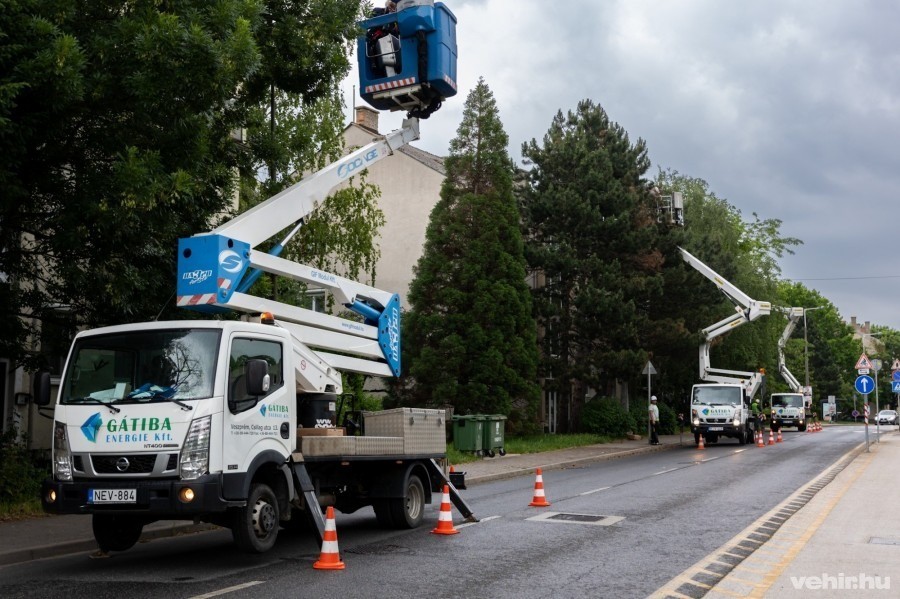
[
  {"x": 794, "y": 315},
  {"x": 746, "y": 310}
]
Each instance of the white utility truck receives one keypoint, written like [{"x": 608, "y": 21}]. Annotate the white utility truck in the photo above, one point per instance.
[
  {"x": 789, "y": 409},
  {"x": 232, "y": 421},
  {"x": 721, "y": 406}
]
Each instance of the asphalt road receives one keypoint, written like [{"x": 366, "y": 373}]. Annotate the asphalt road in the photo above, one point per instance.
[{"x": 620, "y": 528}]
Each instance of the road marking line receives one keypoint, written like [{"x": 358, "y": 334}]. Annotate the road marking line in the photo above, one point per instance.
[
  {"x": 238, "y": 587},
  {"x": 488, "y": 519},
  {"x": 664, "y": 471},
  {"x": 594, "y": 491},
  {"x": 739, "y": 450},
  {"x": 711, "y": 459}
]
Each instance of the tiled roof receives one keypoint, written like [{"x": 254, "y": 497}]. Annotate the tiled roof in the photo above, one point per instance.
[{"x": 427, "y": 158}]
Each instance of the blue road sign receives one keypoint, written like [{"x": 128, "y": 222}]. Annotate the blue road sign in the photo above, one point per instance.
[
  {"x": 864, "y": 384},
  {"x": 895, "y": 376},
  {"x": 895, "y": 387}
]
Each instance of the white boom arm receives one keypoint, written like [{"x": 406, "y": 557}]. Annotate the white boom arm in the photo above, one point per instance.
[
  {"x": 214, "y": 275},
  {"x": 794, "y": 315},
  {"x": 746, "y": 310}
]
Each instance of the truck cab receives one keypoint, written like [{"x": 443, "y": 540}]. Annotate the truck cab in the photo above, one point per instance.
[
  {"x": 720, "y": 410},
  {"x": 788, "y": 409}
]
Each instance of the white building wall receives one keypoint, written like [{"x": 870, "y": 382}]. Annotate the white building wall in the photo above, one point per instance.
[{"x": 409, "y": 191}]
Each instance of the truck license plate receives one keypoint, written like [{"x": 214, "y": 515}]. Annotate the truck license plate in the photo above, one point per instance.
[
  {"x": 716, "y": 428},
  {"x": 112, "y": 495}
]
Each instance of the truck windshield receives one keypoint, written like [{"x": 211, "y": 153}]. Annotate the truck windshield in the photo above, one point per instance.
[
  {"x": 787, "y": 401},
  {"x": 723, "y": 396},
  {"x": 142, "y": 366}
]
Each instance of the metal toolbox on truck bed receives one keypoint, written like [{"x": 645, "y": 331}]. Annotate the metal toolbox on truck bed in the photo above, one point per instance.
[{"x": 423, "y": 431}]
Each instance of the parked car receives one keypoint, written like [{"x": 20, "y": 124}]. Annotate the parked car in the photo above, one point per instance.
[{"x": 887, "y": 417}]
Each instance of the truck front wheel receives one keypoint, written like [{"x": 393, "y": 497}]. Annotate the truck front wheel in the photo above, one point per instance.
[
  {"x": 409, "y": 510},
  {"x": 255, "y": 526},
  {"x": 116, "y": 532}
]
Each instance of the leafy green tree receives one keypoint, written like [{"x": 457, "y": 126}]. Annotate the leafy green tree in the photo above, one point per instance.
[
  {"x": 117, "y": 131},
  {"x": 469, "y": 338},
  {"x": 594, "y": 241}
]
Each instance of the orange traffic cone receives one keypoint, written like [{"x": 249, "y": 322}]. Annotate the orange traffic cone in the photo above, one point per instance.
[
  {"x": 771, "y": 437},
  {"x": 329, "y": 558},
  {"x": 809, "y": 427},
  {"x": 778, "y": 440},
  {"x": 759, "y": 439},
  {"x": 445, "y": 517},
  {"x": 700, "y": 444},
  {"x": 539, "y": 499}
]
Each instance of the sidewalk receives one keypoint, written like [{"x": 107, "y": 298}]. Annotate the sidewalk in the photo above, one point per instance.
[{"x": 50, "y": 536}]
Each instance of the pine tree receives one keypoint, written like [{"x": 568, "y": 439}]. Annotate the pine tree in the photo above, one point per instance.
[
  {"x": 592, "y": 233},
  {"x": 469, "y": 338}
]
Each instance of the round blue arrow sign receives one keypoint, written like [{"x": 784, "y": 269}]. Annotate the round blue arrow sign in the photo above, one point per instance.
[
  {"x": 864, "y": 384},
  {"x": 895, "y": 376}
]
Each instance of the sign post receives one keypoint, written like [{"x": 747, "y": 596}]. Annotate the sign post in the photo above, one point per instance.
[
  {"x": 864, "y": 385},
  {"x": 876, "y": 365}
]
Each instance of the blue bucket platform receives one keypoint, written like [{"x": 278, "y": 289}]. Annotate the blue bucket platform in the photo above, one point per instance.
[{"x": 407, "y": 59}]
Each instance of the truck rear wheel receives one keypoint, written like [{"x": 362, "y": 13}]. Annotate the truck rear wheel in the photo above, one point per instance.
[
  {"x": 255, "y": 525},
  {"x": 116, "y": 532},
  {"x": 409, "y": 510}
]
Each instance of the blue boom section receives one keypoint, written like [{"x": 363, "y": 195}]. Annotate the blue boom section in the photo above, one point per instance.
[
  {"x": 209, "y": 270},
  {"x": 389, "y": 334},
  {"x": 407, "y": 59}
]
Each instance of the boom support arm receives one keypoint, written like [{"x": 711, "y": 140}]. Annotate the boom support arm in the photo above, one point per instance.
[
  {"x": 746, "y": 310},
  {"x": 794, "y": 315},
  {"x": 214, "y": 272}
]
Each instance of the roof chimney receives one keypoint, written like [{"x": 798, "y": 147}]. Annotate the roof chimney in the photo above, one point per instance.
[{"x": 368, "y": 118}]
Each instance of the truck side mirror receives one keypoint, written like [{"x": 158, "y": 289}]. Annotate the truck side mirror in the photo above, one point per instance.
[
  {"x": 41, "y": 388},
  {"x": 257, "y": 375}
]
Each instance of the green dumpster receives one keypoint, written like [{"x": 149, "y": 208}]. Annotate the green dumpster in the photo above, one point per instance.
[
  {"x": 494, "y": 432},
  {"x": 468, "y": 433}
]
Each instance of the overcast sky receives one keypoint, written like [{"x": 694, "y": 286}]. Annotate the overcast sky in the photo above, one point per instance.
[{"x": 787, "y": 108}]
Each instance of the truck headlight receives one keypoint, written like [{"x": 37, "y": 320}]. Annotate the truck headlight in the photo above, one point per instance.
[
  {"x": 695, "y": 418},
  {"x": 62, "y": 457},
  {"x": 736, "y": 418},
  {"x": 195, "y": 452}
]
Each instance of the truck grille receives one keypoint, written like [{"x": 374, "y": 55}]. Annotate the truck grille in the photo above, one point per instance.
[
  {"x": 134, "y": 464},
  {"x": 716, "y": 420}
]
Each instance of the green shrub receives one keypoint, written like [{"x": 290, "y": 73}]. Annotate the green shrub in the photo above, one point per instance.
[
  {"x": 605, "y": 416},
  {"x": 21, "y": 474}
]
